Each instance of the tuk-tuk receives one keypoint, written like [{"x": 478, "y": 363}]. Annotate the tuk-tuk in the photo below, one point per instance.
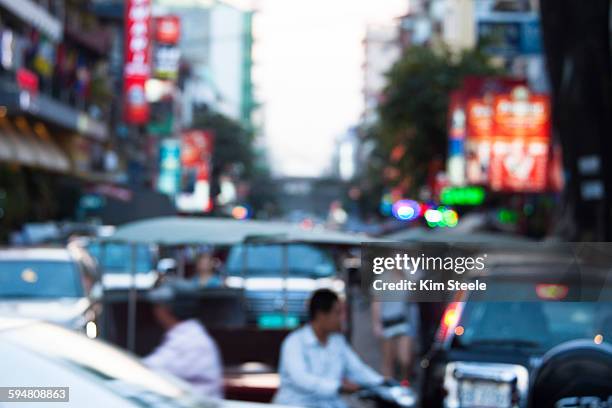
[{"x": 249, "y": 338}]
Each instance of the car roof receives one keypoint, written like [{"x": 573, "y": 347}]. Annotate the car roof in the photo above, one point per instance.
[{"x": 35, "y": 253}]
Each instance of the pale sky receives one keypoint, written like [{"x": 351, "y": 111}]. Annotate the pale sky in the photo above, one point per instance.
[{"x": 308, "y": 56}]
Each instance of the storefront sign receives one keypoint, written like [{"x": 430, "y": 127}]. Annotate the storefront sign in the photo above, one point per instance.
[
  {"x": 166, "y": 61},
  {"x": 472, "y": 195},
  {"x": 510, "y": 34},
  {"x": 27, "y": 80},
  {"x": 167, "y": 53},
  {"x": 167, "y": 29},
  {"x": 169, "y": 178},
  {"x": 196, "y": 172},
  {"x": 137, "y": 67}
]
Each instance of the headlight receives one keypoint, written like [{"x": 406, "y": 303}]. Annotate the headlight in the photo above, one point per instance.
[{"x": 91, "y": 329}]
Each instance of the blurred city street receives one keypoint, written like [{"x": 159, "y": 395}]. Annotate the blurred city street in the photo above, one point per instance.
[{"x": 308, "y": 203}]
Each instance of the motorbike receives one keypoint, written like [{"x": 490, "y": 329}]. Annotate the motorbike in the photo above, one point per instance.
[
  {"x": 389, "y": 394},
  {"x": 576, "y": 374}
]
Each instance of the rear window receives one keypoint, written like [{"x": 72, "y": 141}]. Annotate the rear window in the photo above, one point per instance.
[
  {"x": 533, "y": 325},
  {"x": 39, "y": 279},
  {"x": 117, "y": 258},
  {"x": 267, "y": 260}
]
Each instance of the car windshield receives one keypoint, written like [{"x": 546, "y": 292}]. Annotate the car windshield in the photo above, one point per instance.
[
  {"x": 117, "y": 258},
  {"x": 532, "y": 325},
  {"x": 39, "y": 279},
  {"x": 303, "y": 260}
]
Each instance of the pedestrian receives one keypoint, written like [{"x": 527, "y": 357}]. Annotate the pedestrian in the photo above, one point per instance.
[
  {"x": 187, "y": 350},
  {"x": 205, "y": 274},
  {"x": 395, "y": 323}
]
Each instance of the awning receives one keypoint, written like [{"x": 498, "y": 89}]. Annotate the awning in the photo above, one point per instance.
[{"x": 30, "y": 150}]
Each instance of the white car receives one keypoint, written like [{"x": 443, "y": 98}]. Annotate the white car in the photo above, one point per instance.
[
  {"x": 115, "y": 259},
  {"x": 277, "y": 294},
  {"x": 59, "y": 285},
  {"x": 37, "y": 354}
]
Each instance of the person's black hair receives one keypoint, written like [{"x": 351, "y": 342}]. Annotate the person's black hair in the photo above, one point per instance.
[{"x": 322, "y": 300}]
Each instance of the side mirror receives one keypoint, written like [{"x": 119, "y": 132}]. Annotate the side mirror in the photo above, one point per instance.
[{"x": 166, "y": 265}]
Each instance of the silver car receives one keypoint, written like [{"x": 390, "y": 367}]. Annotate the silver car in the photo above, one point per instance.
[
  {"x": 59, "y": 285},
  {"x": 37, "y": 354}
]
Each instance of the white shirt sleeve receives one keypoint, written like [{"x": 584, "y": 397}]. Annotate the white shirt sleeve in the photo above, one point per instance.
[
  {"x": 294, "y": 366},
  {"x": 357, "y": 371}
]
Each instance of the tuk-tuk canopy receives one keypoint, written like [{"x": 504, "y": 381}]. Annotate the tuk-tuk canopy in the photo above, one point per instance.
[{"x": 175, "y": 231}]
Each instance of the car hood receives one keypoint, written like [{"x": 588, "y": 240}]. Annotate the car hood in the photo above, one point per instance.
[
  {"x": 61, "y": 311},
  {"x": 279, "y": 283}
]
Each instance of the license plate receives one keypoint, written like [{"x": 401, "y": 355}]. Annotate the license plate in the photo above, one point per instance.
[
  {"x": 484, "y": 394},
  {"x": 277, "y": 321}
]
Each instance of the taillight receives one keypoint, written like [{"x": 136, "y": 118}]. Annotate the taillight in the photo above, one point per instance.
[
  {"x": 551, "y": 291},
  {"x": 450, "y": 319}
]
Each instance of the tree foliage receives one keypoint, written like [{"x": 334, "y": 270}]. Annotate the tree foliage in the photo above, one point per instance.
[{"x": 413, "y": 113}]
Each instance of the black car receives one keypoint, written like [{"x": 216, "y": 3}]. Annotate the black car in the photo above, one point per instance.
[{"x": 486, "y": 351}]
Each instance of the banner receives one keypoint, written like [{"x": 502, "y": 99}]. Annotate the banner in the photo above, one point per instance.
[
  {"x": 137, "y": 67},
  {"x": 196, "y": 172}
]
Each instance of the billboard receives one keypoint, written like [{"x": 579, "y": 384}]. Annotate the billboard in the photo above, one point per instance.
[
  {"x": 137, "y": 66},
  {"x": 504, "y": 143},
  {"x": 521, "y": 145},
  {"x": 196, "y": 172}
]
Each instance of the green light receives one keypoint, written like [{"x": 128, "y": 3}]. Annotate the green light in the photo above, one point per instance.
[
  {"x": 450, "y": 218},
  {"x": 473, "y": 195},
  {"x": 441, "y": 217},
  {"x": 506, "y": 216}
]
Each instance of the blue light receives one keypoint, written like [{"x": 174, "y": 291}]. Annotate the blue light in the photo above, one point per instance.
[{"x": 406, "y": 210}]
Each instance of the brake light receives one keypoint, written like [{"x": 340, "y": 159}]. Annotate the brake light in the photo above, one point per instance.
[
  {"x": 549, "y": 291},
  {"x": 450, "y": 319}
]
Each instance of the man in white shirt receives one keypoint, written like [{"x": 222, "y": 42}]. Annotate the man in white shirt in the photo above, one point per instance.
[
  {"x": 316, "y": 364},
  {"x": 187, "y": 350}
]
